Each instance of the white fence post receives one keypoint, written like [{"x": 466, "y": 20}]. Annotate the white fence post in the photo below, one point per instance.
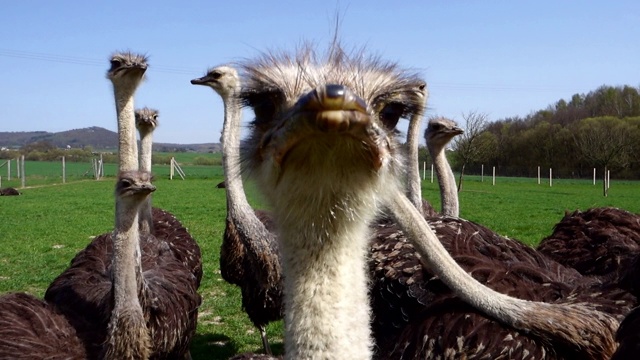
[
  {"x": 22, "y": 175},
  {"x": 538, "y": 175},
  {"x": 64, "y": 171},
  {"x": 550, "y": 177},
  {"x": 9, "y": 169},
  {"x": 101, "y": 172},
  {"x": 424, "y": 170},
  {"x": 594, "y": 176},
  {"x": 482, "y": 173},
  {"x": 608, "y": 179},
  {"x": 494, "y": 175},
  {"x": 432, "y": 173}
]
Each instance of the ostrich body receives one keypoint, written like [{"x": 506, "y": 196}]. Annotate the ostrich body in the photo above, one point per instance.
[
  {"x": 165, "y": 290},
  {"x": 628, "y": 336},
  {"x": 33, "y": 329},
  {"x": 9, "y": 191},
  {"x": 161, "y": 223},
  {"x": 576, "y": 325},
  {"x": 601, "y": 242},
  {"x": 322, "y": 154},
  {"x": 249, "y": 256}
]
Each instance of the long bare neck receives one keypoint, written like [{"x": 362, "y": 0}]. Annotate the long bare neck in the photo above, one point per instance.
[
  {"x": 127, "y": 146},
  {"x": 446, "y": 180},
  {"x": 326, "y": 294},
  {"x": 128, "y": 334},
  {"x": 146, "y": 150},
  {"x": 575, "y": 325},
  {"x": 238, "y": 208},
  {"x": 414, "y": 190}
]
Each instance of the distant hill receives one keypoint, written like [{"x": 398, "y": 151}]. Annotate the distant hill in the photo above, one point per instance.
[{"x": 96, "y": 137}]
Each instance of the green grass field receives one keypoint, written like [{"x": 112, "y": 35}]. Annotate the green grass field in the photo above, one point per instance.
[
  {"x": 43, "y": 229},
  {"x": 48, "y": 173}
]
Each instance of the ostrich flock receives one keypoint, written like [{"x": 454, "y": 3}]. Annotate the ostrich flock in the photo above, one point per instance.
[{"x": 349, "y": 254}]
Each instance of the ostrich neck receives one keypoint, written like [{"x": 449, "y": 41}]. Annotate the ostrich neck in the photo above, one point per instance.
[
  {"x": 573, "y": 325},
  {"x": 447, "y": 181},
  {"x": 325, "y": 291},
  {"x": 237, "y": 205},
  {"x": 146, "y": 151},
  {"x": 126, "y": 258},
  {"x": 127, "y": 147},
  {"x": 413, "y": 169}
]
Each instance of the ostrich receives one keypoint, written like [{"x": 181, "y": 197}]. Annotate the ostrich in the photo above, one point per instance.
[
  {"x": 439, "y": 133},
  {"x": 326, "y": 163},
  {"x": 321, "y": 152},
  {"x": 249, "y": 255},
  {"x": 601, "y": 242},
  {"x": 162, "y": 224},
  {"x": 127, "y": 333},
  {"x": 9, "y": 191},
  {"x": 33, "y": 329},
  {"x": 166, "y": 290}
]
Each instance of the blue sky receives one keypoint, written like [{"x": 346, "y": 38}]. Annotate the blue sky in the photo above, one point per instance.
[{"x": 503, "y": 58}]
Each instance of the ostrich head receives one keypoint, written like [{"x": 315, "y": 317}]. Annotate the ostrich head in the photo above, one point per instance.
[
  {"x": 218, "y": 79},
  {"x": 325, "y": 125},
  {"x": 440, "y": 131},
  {"x": 146, "y": 119},
  {"x": 134, "y": 186},
  {"x": 127, "y": 66}
]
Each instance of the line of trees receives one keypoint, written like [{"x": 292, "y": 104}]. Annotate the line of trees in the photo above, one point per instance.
[{"x": 598, "y": 130}]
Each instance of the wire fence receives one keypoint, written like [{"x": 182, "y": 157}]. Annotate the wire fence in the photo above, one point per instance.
[{"x": 17, "y": 173}]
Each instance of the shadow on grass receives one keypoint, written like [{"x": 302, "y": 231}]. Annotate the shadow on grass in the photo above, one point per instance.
[{"x": 221, "y": 347}]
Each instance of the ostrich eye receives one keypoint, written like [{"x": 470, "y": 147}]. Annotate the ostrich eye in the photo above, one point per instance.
[
  {"x": 125, "y": 183},
  {"x": 216, "y": 75},
  {"x": 390, "y": 115}
]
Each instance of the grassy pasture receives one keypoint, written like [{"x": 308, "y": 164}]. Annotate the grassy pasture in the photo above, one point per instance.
[
  {"x": 50, "y": 172},
  {"x": 42, "y": 230}
]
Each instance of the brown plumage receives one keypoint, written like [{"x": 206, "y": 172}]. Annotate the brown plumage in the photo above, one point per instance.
[
  {"x": 417, "y": 316},
  {"x": 33, "y": 329},
  {"x": 9, "y": 191},
  {"x": 628, "y": 336},
  {"x": 600, "y": 242},
  {"x": 249, "y": 255},
  {"x": 166, "y": 290},
  {"x": 253, "y": 356}
]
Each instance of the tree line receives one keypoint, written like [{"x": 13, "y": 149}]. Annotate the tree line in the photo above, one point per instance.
[{"x": 599, "y": 130}]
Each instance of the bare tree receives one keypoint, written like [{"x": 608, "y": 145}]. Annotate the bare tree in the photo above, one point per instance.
[
  {"x": 471, "y": 146},
  {"x": 605, "y": 142}
]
